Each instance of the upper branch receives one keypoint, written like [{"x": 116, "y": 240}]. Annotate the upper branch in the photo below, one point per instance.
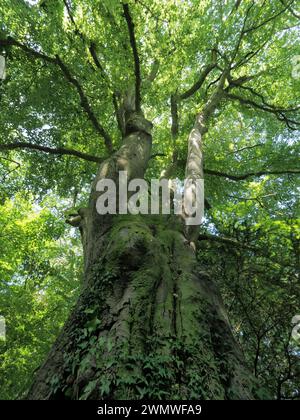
[
  {"x": 85, "y": 104},
  {"x": 176, "y": 98},
  {"x": 119, "y": 114},
  {"x": 92, "y": 47},
  {"x": 295, "y": 14},
  {"x": 153, "y": 73},
  {"x": 270, "y": 19},
  {"x": 92, "y": 50},
  {"x": 224, "y": 240},
  {"x": 248, "y": 56},
  {"x": 69, "y": 77},
  {"x": 90, "y": 44},
  {"x": 214, "y": 99},
  {"x": 77, "y": 31},
  {"x": 242, "y": 33},
  {"x": 137, "y": 70},
  {"x": 246, "y": 30},
  {"x": 174, "y": 115},
  {"x": 197, "y": 85},
  {"x": 59, "y": 151},
  {"x": 280, "y": 113},
  {"x": 9, "y": 41},
  {"x": 251, "y": 174}
]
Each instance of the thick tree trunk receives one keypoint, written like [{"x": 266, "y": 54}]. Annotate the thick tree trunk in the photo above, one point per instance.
[{"x": 149, "y": 323}]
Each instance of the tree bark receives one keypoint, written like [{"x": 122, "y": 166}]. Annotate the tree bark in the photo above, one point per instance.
[{"x": 149, "y": 323}]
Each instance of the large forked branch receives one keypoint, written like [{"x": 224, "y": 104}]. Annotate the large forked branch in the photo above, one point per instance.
[
  {"x": 251, "y": 174},
  {"x": 69, "y": 77},
  {"x": 137, "y": 70},
  {"x": 59, "y": 151},
  {"x": 176, "y": 98},
  {"x": 194, "y": 161}
]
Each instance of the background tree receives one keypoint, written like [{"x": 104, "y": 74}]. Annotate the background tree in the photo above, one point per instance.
[{"x": 141, "y": 86}]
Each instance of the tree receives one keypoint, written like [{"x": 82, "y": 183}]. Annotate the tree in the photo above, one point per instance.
[{"x": 140, "y": 86}]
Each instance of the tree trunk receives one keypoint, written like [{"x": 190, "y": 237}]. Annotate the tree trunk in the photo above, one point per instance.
[{"x": 149, "y": 323}]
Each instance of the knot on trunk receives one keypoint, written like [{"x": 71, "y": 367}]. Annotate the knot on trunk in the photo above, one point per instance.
[{"x": 75, "y": 219}]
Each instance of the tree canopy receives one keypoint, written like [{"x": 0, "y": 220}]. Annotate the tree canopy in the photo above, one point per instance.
[{"x": 68, "y": 64}]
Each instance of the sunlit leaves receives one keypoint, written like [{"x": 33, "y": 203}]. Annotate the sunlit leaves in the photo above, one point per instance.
[
  {"x": 39, "y": 280},
  {"x": 40, "y": 260}
]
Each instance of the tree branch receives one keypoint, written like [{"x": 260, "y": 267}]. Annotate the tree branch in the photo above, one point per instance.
[
  {"x": 249, "y": 55},
  {"x": 68, "y": 76},
  {"x": 119, "y": 114},
  {"x": 58, "y": 151},
  {"x": 197, "y": 85},
  {"x": 175, "y": 99},
  {"x": 137, "y": 70},
  {"x": 154, "y": 70},
  {"x": 77, "y": 31},
  {"x": 9, "y": 41},
  {"x": 242, "y": 33},
  {"x": 235, "y": 7},
  {"x": 92, "y": 46},
  {"x": 245, "y": 31},
  {"x": 174, "y": 115},
  {"x": 255, "y": 27},
  {"x": 279, "y": 112},
  {"x": 85, "y": 104},
  {"x": 87, "y": 43},
  {"x": 291, "y": 10},
  {"x": 93, "y": 52},
  {"x": 251, "y": 174},
  {"x": 245, "y": 148},
  {"x": 224, "y": 240}
]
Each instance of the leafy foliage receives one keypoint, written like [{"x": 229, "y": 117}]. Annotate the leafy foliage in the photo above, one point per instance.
[
  {"x": 40, "y": 276},
  {"x": 250, "y": 238}
]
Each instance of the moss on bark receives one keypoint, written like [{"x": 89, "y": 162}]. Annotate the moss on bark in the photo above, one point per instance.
[{"x": 147, "y": 324}]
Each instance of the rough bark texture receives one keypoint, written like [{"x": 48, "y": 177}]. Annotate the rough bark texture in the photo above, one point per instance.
[{"x": 149, "y": 323}]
